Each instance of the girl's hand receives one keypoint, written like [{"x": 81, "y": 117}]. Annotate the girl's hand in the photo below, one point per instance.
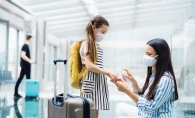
[{"x": 114, "y": 77}]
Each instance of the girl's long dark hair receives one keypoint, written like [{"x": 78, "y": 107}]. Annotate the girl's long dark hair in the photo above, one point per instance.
[{"x": 163, "y": 64}]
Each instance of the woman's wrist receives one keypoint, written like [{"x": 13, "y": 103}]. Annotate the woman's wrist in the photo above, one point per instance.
[
  {"x": 133, "y": 82},
  {"x": 132, "y": 95},
  {"x": 128, "y": 91}
]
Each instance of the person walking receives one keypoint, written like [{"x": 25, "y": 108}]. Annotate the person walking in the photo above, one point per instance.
[{"x": 25, "y": 64}]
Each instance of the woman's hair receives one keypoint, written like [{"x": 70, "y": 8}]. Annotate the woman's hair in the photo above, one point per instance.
[
  {"x": 98, "y": 21},
  {"x": 163, "y": 64},
  {"x": 28, "y": 37}
]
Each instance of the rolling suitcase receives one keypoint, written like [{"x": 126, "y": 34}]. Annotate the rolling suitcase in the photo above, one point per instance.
[
  {"x": 32, "y": 88},
  {"x": 72, "y": 107}
]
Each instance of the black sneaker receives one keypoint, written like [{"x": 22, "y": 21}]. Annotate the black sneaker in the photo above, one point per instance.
[{"x": 17, "y": 95}]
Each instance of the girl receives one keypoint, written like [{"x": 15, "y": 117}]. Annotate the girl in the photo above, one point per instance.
[
  {"x": 95, "y": 84},
  {"x": 157, "y": 96}
]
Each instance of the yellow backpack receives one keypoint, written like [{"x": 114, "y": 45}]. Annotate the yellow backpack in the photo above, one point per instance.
[{"x": 75, "y": 65}]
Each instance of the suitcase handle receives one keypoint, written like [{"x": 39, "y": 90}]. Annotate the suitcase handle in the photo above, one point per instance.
[
  {"x": 60, "y": 60},
  {"x": 55, "y": 75}
]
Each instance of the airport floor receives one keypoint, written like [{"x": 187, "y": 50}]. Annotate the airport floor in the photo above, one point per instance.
[
  {"x": 37, "y": 108},
  {"x": 33, "y": 108}
]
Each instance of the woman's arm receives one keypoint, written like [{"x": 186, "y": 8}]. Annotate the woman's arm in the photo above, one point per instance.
[
  {"x": 132, "y": 95},
  {"x": 163, "y": 93},
  {"x": 135, "y": 86}
]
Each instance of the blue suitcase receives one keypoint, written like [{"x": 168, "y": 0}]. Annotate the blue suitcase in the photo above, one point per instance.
[{"x": 32, "y": 88}]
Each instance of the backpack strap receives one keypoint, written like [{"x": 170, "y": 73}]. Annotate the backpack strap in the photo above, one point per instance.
[{"x": 84, "y": 71}]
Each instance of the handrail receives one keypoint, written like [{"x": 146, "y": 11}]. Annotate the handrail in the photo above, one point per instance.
[{"x": 183, "y": 24}]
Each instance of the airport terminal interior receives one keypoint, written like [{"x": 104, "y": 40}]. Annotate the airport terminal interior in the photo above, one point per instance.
[{"x": 56, "y": 24}]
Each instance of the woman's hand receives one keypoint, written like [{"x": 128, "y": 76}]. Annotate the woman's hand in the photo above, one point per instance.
[
  {"x": 135, "y": 86},
  {"x": 122, "y": 86},
  {"x": 129, "y": 76}
]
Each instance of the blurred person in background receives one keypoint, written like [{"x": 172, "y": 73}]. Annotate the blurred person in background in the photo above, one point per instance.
[{"x": 25, "y": 64}]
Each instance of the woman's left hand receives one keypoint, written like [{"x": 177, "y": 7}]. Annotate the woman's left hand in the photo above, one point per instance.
[{"x": 122, "y": 86}]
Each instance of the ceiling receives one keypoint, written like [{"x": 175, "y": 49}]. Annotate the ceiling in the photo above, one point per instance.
[{"x": 69, "y": 17}]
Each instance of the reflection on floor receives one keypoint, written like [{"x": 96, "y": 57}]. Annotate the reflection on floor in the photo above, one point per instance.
[
  {"x": 37, "y": 108},
  {"x": 26, "y": 108}
]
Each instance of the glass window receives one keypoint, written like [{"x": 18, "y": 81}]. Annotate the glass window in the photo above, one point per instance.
[
  {"x": 175, "y": 54},
  {"x": 48, "y": 65},
  {"x": 12, "y": 51},
  {"x": 51, "y": 57},
  {"x": 109, "y": 54},
  {"x": 137, "y": 56},
  {"x": 120, "y": 52},
  {"x": 3, "y": 38},
  {"x": 21, "y": 41}
]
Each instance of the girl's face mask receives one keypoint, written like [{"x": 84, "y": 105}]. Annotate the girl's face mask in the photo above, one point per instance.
[{"x": 99, "y": 37}]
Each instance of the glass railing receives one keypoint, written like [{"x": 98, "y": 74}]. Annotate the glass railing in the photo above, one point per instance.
[{"x": 183, "y": 56}]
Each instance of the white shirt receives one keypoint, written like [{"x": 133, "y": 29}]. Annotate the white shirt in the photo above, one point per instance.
[{"x": 83, "y": 51}]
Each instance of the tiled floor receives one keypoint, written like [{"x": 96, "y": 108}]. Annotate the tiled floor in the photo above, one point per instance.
[
  {"x": 33, "y": 108},
  {"x": 25, "y": 108}
]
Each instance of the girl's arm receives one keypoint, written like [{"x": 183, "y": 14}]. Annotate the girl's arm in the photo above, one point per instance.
[{"x": 94, "y": 68}]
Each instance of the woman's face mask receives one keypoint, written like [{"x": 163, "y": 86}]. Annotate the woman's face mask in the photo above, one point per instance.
[{"x": 149, "y": 61}]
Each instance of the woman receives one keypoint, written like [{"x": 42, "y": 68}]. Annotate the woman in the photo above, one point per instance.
[
  {"x": 156, "y": 98},
  {"x": 95, "y": 84}
]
